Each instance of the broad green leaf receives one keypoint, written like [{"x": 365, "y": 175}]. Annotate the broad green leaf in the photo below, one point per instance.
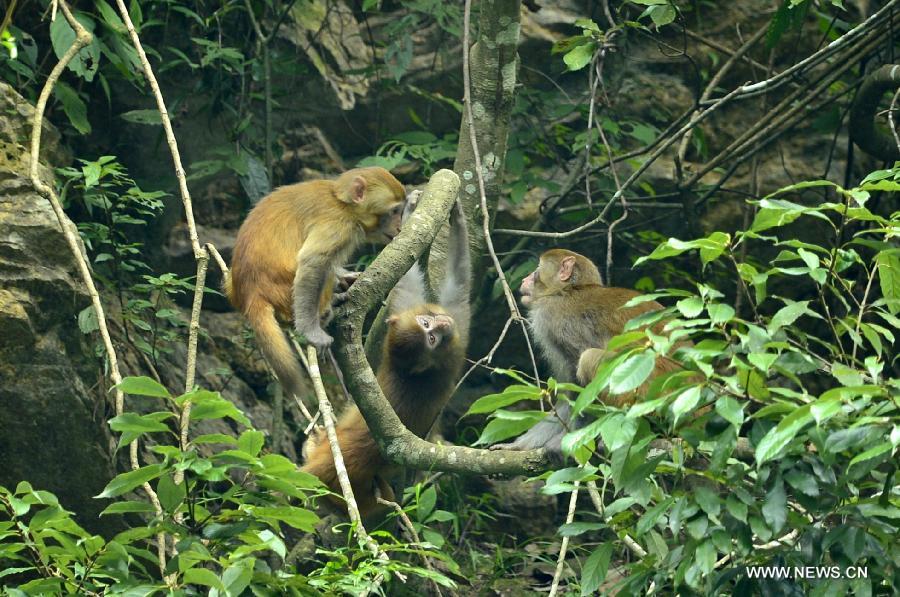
[
  {"x": 888, "y": 263},
  {"x": 649, "y": 519},
  {"x": 632, "y": 372},
  {"x": 202, "y": 576},
  {"x": 720, "y": 313},
  {"x": 136, "y": 423},
  {"x": 593, "y": 573},
  {"x": 781, "y": 435},
  {"x": 686, "y": 402},
  {"x": 731, "y": 410},
  {"x": 690, "y": 307},
  {"x": 788, "y": 315},
  {"x": 127, "y": 481},
  {"x": 510, "y": 395},
  {"x": 774, "y": 508},
  {"x": 579, "y": 56},
  {"x": 143, "y": 386},
  {"x": 251, "y": 442},
  {"x": 73, "y": 105},
  {"x": 129, "y": 508},
  {"x": 171, "y": 495},
  {"x": 508, "y": 424},
  {"x": 298, "y": 518},
  {"x": 718, "y": 243},
  {"x": 142, "y": 117},
  {"x": 871, "y": 453}
]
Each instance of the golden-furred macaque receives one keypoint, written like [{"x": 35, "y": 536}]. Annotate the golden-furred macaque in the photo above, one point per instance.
[
  {"x": 422, "y": 359},
  {"x": 573, "y": 317},
  {"x": 289, "y": 250}
]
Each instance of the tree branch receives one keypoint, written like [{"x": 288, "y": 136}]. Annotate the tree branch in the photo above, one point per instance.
[{"x": 395, "y": 441}]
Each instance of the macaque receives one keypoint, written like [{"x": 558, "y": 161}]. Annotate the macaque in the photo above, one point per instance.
[
  {"x": 422, "y": 359},
  {"x": 573, "y": 317},
  {"x": 289, "y": 250}
]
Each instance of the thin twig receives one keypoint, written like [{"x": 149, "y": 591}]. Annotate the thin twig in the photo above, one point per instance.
[
  {"x": 411, "y": 529},
  {"x": 564, "y": 546},
  {"x": 82, "y": 39},
  {"x": 339, "y": 467},
  {"x": 694, "y": 121},
  {"x": 200, "y": 254}
]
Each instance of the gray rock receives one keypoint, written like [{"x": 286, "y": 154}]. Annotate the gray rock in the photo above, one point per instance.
[{"x": 52, "y": 409}]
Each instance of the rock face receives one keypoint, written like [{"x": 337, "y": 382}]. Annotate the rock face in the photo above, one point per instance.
[{"x": 52, "y": 415}]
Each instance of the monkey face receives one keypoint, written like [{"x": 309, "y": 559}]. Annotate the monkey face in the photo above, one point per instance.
[
  {"x": 435, "y": 329},
  {"x": 388, "y": 226},
  {"x": 527, "y": 288}
]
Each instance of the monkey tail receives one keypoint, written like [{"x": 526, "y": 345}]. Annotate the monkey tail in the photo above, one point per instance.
[{"x": 275, "y": 347}]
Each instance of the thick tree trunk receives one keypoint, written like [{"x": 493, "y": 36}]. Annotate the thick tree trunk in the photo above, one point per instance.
[{"x": 493, "y": 67}]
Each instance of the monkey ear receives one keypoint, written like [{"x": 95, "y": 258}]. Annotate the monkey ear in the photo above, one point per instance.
[
  {"x": 358, "y": 189},
  {"x": 392, "y": 320},
  {"x": 566, "y": 268}
]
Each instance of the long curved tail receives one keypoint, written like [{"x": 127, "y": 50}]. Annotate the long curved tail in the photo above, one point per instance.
[{"x": 275, "y": 347}]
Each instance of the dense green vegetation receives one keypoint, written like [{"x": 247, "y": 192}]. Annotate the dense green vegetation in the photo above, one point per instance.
[{"x": 744, "y": 208}]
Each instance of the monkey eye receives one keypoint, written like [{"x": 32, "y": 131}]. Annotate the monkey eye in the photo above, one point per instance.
[
  {"x": 425, "y": 324},
  {"x": 431, "y": 339}
]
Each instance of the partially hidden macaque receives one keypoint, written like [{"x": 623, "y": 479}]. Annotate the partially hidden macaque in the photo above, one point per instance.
[
  {"x": 422, "y": 359},
  {"x": 289, "y": 251},
  {"x": 573, "y": 317}
]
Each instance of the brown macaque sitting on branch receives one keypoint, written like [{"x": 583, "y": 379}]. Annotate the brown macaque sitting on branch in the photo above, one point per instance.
[
  {"x": 573, "y": 317},
  {"x": 422, "y": 359},
  {"x": 289, "y": 250}
]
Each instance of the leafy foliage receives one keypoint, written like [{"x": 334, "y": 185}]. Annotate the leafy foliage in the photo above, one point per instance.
[{"x": 779, "y": 442}]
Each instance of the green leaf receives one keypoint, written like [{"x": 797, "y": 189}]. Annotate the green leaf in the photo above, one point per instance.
[
  {"x": 720, "y": 313},
  {"x": 731, "y": 410},
  {"x": 871, "y": 453},
  {"x": 202, "y": 576},
  {"x": 298, "y": 518},
  {"x": 888, "y": 264},
  {"x": 593, "y": 573},
  {"x": 62, "y": 36},
  {"x": 127, "y": 481},
  {"x": 651, "y": 516},
  {"x": 73, "y": 106},
  {"x": 136, "y": 423},
  {"x": 573, "y": 529},
  {"x": 142, "y": 117},
  {"x": 690, "y": 307},
  {"x": 736, "y": 508},
  {"x": 210, "y": 405},
  {"x": 686, "y": 402},
  {"x": 632, "y": 372},
  {"x": 781, "y": 435},
  {"x": 774, "y": 509},
  {"x": 171, "y": 495},
  {"x": 508, "y": 424},
  {"x": 510, "y": 395},
  {"x": 87, "y": 320},
  {"x": 143, "y": 386},
  {"x": 788, "y": 315},
  {"x": 129, "y": 508},
  {"x": 579, "y": 56},
  {"x": 251, "y": 442}
]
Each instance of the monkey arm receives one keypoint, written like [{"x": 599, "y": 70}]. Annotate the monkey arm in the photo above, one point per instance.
[{"x": 454, "y": 294}]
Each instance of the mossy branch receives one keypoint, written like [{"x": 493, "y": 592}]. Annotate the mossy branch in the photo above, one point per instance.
[{"x": 397, "y": 443}]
